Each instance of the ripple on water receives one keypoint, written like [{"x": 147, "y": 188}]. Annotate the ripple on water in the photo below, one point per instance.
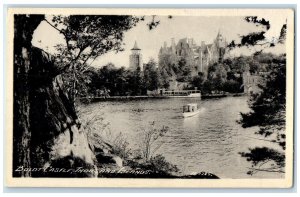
[{"x": 209, "y": 141}]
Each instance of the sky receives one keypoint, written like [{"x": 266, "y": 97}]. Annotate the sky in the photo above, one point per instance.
[{"x": 197, "y": 27}]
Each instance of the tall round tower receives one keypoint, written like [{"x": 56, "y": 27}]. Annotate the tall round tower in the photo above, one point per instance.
[{"x": 135, "y": 59}]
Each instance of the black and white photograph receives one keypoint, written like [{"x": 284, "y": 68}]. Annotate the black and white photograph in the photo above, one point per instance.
[{"x": 150, "y": 97}]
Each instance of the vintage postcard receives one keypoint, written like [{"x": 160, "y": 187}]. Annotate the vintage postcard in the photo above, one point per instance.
[{"x": 149, "y": 98}]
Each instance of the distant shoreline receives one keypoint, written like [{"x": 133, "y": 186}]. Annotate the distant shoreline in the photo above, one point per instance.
[
  {"x": 210, "y": 96},
  {"x": 122, "y": 98}
]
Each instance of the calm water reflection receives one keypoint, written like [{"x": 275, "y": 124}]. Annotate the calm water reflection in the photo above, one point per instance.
[{"x": 209, "y": 141}]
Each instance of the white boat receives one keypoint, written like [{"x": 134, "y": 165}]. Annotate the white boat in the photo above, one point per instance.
[
  {"x": 182, "y": 93},
  {"x": 191, "y": 109}
]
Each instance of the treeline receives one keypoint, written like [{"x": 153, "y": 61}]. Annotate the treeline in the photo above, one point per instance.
[
  {"x": 112, "y": 81},
  {"x": 174, "y": 68},
  {"x": 227, "y": 76}
]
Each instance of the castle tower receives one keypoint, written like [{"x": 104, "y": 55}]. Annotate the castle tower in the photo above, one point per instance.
[
  {"x": 173, "y": 45},
  {"x": 135, "y": 59},
  {"x": 202, "y": 45},
  {"x": 165, "y": 45},
  {"x": 220, "y": 40},
  {"x": 190, "y": 42},
  {"x": 220, "y": 43},
  {"x": 201, "y": 60}
]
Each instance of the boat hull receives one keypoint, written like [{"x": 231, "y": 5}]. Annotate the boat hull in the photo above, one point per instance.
[
  {"x": 193, "y": 95},
  {"x": 190, "y": 114}
]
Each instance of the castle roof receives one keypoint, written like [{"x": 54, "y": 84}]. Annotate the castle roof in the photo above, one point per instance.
[{"x": 135, "y": 47}]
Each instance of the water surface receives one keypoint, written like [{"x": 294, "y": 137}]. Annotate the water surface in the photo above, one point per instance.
[{"x": 209, "y": 141}]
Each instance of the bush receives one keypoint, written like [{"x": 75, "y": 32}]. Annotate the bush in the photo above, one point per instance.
[
  {"x": 151, "y": 142},
  {"x": 232, "y": 86},
  {"x": 120, "y": 146},
  {"x": 159, "y": 164},
  {"x": 155, "y": 165}
]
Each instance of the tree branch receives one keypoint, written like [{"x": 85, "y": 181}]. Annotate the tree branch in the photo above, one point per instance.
[
  {"x": 74, "y": 60},
  {"x": 59, "y": 30}
]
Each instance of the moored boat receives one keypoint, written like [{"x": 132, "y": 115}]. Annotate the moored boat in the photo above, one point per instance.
[{"x": 182, "y": 93}]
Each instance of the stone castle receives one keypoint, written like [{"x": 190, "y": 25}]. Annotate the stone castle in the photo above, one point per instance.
[{"x": 198, "y": 57}]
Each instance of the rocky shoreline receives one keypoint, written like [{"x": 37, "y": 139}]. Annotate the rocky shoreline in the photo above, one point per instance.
[{"x": 108, "y": 165}]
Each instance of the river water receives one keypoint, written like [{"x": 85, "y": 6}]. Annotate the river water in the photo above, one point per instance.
[{"x": 210, "y": 141}]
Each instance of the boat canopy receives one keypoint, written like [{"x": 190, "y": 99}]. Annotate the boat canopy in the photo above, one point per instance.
[{"x": 190, "y": 107}]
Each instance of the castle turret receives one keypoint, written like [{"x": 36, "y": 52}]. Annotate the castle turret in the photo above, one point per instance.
[
  {"x": 190, "y": 42},
  {"x": 173, "y": 45},
  {"x": 160, "y": 50},
  {"x": 165, "y": 44},
  {"x": 197, "y": 57},
  {"x": 202, "y": 45},
  {"x": 220, "y": 40},
  {"x": 219, "y": 47}
]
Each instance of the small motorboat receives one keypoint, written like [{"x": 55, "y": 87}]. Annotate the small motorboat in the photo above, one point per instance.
[{"x": 191, "y": 109}]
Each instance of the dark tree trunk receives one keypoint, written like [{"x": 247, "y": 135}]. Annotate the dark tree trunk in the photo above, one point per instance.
[
  {"x": 46, "y": 127},
  {"x": 24, "y": 27}
]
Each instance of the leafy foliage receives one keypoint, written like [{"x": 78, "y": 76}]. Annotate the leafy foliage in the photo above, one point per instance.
[
  {"x": 271, "y": 100},
  {"x": 268, "y": 112},
  {"x": 221, "y": 77},
  {"x": 151, "y": 76},
  {"x": 179, "y": 68},
  {"x": 256, "y": 20},
  {"x": 268, "y": 106},
  {"x": 260, "y": 157},
  {"x": 282, "y": 35},
  {"x": 87, "y": 37},
  {"x": 111, "y": 81},
  {"x": 197, "y": 81},
  {"x": 227, "y": 75},
  {"x": 252, "y": 38},
  {"x": 260, "y": 154},
  {"x": 258, "y": 38},
  {"x": 158, "y": 163}
]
